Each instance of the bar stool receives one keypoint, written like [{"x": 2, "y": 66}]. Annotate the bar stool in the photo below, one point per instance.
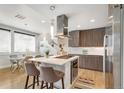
[
  {"x": 50, "y": 76},
  {"x": 26, "y": 58},
  {"x": 31, "y": 71}
]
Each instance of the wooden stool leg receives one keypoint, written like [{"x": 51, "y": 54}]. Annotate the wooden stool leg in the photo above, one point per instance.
[
  {"x": 47, "y": 85},
  {"x": 62, "y": 82},
  {"x": 42, "y": 83},
  {"x": 51, "y": 85},
  {"x": 37, "y": 80},
  {"x": 26, "y": 84},
  {"x": 33, "y": 82}
]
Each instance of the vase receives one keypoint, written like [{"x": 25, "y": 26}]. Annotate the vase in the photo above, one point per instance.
[{"x": 47, "y": 56}]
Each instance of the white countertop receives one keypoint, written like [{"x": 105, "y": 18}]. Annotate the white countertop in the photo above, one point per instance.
[{"x": 54, "y": 60}]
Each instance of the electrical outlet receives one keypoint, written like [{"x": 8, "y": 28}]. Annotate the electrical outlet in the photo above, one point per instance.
[{"x": 84, "y": 51}]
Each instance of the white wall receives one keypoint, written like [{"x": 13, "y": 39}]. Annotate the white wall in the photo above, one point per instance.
[
  {"x": 4, "y": 61},
  {"x": 123, "y": 46}
]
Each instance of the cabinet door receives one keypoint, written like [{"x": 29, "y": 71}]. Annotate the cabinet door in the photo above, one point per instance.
[
  {"x": 91, "y": 62},
  {"x": 98, "y": 36},
  {"x": 74, "y": 40},
  {"x": 92, "y": 37}
]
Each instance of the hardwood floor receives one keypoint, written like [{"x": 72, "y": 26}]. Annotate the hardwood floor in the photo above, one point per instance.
[
  {"x": 91, "y": 79},
  {"x": 16, "y": 80}
]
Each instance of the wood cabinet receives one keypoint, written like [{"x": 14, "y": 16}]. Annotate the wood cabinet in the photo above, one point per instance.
[
  {"x": 92, "y": 38},
  {"x": 87, "y": 38},
  {"x": 91, "y": 62},
  {"x": 74, "y": 40}
]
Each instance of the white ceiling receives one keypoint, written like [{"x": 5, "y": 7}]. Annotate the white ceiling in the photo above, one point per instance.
[
  {"x": 77, "y": 14},
  {"x": 33, "y": 19}
]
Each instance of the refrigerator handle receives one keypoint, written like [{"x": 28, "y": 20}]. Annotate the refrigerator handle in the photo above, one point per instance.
[
  {"x": 105, "y": 52},
  {"x": 105, "y": 37}
]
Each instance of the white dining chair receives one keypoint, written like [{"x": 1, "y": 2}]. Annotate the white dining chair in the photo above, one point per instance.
[{"x": 14, "y": 62}]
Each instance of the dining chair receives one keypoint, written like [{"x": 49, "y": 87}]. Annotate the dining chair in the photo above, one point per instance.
[
  {"x": 50, "y": 76},
  {"x": 14, "y": 62},
  {"x": 21, "y": 60},
  {"x": 31, "y": 70}
]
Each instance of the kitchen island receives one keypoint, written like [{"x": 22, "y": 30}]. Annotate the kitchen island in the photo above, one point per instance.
[{"x": 66, "y": 63}]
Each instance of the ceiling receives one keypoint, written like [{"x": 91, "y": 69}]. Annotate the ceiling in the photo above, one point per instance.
[{"x": 79, "y": 16}]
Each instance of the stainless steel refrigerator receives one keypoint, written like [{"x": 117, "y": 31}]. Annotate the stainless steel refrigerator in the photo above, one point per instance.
[{"x": 113, "y": 43}]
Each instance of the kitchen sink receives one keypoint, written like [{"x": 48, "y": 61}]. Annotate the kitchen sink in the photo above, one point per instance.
[{"x": 64, "y": 57}]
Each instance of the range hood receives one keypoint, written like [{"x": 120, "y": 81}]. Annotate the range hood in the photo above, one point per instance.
[{"x": 62, "y": 26}]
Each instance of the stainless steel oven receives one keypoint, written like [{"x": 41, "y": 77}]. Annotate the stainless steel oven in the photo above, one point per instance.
[{"x": 74, "y": 69}]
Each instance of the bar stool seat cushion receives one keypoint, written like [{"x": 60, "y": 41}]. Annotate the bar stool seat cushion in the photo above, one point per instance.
[
  {"x": 31, "y": 69},
  {"x": 48, "y": 74},
  {"x": 59, "y": 73}
]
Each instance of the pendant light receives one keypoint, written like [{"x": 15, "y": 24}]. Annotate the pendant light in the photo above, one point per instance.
[{"x": 52, "y": 8}]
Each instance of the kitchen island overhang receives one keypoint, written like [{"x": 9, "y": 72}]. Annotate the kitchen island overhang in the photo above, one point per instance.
[{"x": 61, "y": 64}]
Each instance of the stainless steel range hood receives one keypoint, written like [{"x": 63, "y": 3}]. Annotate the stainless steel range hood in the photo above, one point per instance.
[{"x": 62, "y": 26}]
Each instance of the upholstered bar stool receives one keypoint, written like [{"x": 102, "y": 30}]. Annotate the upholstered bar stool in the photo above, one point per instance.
[
  {"x": 50, "y": 76},
  {"x": 31, "y": 70},
  {"x": 27, "y": 58}
]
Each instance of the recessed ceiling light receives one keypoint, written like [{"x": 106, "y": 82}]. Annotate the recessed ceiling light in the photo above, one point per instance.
[
  {"x": 52, "y": 7},
  {"x": 43, "y": 21},
  {"x": 78, "y": 26},
  {"x": 92, "y": 20}
]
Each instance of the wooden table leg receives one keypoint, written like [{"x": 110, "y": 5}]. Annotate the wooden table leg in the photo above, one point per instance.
[{"x": 62, "y": 82}]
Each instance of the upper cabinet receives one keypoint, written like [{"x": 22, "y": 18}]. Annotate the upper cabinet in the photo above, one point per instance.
[
  {"x": 87, "y": 38},
  {"x": 74, "y": 40}
]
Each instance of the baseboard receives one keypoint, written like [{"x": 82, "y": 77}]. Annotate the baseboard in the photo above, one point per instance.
[{"x": 6, "y": 66}]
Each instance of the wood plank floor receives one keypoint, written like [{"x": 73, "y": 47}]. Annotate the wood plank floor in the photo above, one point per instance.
[
  {"x": 16, "y": 80},
  {"x": 91, "y": 79}
]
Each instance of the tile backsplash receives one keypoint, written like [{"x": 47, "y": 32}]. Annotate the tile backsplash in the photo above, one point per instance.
[{"x": 86, "y": 50}]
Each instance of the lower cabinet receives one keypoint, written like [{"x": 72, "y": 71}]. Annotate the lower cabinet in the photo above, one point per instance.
[{"x": 91, "y": 62}]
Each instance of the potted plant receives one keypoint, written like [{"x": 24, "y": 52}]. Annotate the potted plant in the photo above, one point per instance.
[{"x": 47, "y": 53}]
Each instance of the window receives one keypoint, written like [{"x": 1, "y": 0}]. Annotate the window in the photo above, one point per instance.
[
  {"x": 5, "y": 40},
  {"x": 24, "y": 42}
]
